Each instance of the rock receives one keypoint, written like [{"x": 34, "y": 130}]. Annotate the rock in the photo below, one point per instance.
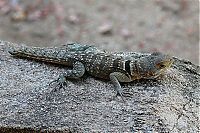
[
  {"x": 105, "y": 29},
  {"x": 126, "y": 33},
  {"x": 168, "y": 104}
]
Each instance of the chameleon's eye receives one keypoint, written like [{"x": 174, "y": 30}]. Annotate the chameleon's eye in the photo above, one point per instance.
[{"x": 160, "y": 65}]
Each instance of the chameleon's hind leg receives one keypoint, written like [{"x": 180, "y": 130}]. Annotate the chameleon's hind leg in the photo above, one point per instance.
[{"x": 77, "y": 72}]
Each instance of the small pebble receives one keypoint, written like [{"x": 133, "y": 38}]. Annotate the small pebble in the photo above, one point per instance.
[{"x": 105, "y": 29}]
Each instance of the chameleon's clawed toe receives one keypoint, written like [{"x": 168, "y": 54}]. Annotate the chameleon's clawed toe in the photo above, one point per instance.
[
  {"x": 60, "y": 83},
  {"x": 120, "y": 95}
]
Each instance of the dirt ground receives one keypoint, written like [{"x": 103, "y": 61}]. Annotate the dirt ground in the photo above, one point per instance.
[{"x": 116, "y": 25}]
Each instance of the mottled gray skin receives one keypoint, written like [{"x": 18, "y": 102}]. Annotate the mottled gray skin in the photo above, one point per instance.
[{"x": 98, "y": 63}]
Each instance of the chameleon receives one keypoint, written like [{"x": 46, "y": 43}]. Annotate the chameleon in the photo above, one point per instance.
[{"x": 116, "y": 67}]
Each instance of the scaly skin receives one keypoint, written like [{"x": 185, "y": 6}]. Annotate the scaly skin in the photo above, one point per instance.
[{"x": 85, "y": 58}]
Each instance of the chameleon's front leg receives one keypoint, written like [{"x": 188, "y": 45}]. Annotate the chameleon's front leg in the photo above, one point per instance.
[
  {"x": 117, "y": 77},
  {"x": 77, "y": 72}
]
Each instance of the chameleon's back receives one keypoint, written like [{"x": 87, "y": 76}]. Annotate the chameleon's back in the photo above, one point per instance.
[{"x": 101, "y": 64}]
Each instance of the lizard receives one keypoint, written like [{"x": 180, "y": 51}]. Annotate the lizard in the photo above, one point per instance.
[{"x": 83, "y": 59}]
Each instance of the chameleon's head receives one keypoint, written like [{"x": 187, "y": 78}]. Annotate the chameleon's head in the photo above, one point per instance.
[{"x": 152, "y": 66}]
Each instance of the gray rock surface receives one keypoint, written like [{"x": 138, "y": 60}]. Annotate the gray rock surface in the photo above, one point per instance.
[{"x": 169, "y": 104}]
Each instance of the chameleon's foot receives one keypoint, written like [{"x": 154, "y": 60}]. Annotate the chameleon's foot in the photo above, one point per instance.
[
  {"x": 60, "y": 83},
  {"x": 119, "y": 93},
  {"x": 77, "y": 72}
]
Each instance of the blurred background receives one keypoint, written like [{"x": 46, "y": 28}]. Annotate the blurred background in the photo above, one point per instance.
[{"x": 169, "y": 26}]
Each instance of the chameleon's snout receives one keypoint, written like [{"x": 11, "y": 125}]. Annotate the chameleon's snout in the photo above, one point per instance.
[{"x": 163, "y": 66}]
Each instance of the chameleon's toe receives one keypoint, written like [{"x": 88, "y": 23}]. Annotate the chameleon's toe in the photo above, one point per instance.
[
  {"x": 121, "y": 95},
  {"x": 60, "y": 83}
]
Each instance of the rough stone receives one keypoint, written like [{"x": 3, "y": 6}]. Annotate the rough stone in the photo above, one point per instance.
[{"x": 168, "y": 104}]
